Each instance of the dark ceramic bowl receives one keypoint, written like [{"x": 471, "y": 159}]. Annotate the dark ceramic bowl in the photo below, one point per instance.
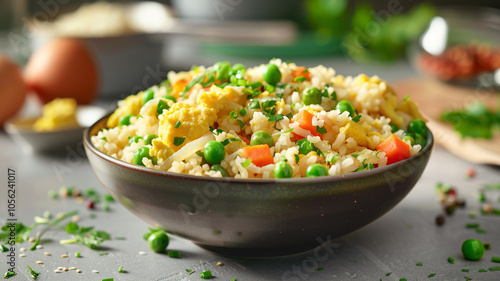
[{"x": 253, "y": 217}]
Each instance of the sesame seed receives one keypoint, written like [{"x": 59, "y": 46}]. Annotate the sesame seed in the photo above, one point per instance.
[
  {"x": 64, "y": 256},
  {"x": 32, "y": 239},
  {"x": 65, "y": 269},
  {"x": 78, "y": 271},
  {"x": 60, "y": 268},
  {"x": 95, "y": 271},
  {"x": 75, "y": 218},
  {"x": 39, "y": 246},
  {"x": 47, "y": 254},
  {"x": 142, "y": 253},
  {"x": 39, "y": 262},
  {"x": 219, "y": 263},
  {"x": 22, "y": 255},
  {"x": 22, "y": 249},
  {"x": 72, "y": 268},
  {"x": 57, "y": 271}
]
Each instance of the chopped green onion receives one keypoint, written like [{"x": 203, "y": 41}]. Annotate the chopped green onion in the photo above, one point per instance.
[
  {"x": 481, "y": 197},
  {"x": 481, "y": 230},
  {"x": 357, "y": 118},
  {"x": 120, "y": 270},
  {"x": 496, "y": 268},
  {"x": 243, "y": 111},
  {"x": 297, "y": 158},
  {"x": 53, "y": 194},
  {"x": 109, "y": 198},
  {"x": 388, "y": 274},
  {"x": 495, "y": 259},
  {"x": 419, "y": 264},
  {"x": 178, "y": 140},
  {"x": 268, "y": 103},
  {"x": 177, "y": 124},
  {"x": 482, "y": 270},
  {"x": 254, "y": 104},
  {"x": 34, "y": 274},
  {"x": 108, "y": 279},
  {"x": 104, "y": 139},
  {"x": 465, "y": 270},
  {"x": 78, "y": 255},
  {"x": 190, "y": 271},
  {"x": 103, "y": 254},
  {"x": 174, "y": 254},
  {"x": 242, "y": 125},
  {"x": 255, "y": 85},
  {"x": 324, "y": 93},
  {"x": 206, "y": 274},
  {"x": 246, "y": 163},
  {"x": 406, "y": 97},
  {"x": 451, "y": 260},
  {"x": 431, "y": 275},
  {"x": 217, "y": 232},
  {"x": 334, "y": 96},
  {"x": 299, "y": 79},
  {"x": 270, "y": 88},
  {"x": 233, "y": 114},
  {"x": 4, "y": 249}
]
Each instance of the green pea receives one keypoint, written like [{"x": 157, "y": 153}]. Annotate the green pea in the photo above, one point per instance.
[
  {"x": 420, "y": 140},
  {"x": 418, "y": 126},
  {"x": 262, "y": 137},
  {"x": 409, "y": 138},
  {"x": 214, "y": 152},
  {"x": 394, "y": 128},
  {"x": 272, "y": 74},
  {"x": 222, "y": 69},
  {"x": 134, "y": 139},
  {"x": 312, "y": 96},
  {"x": 283, "y": 170},
  {"x": 161, "y": 106},
  {"x": 316, "y": 170},
  {"x": 124, "y": 120},
  {"x": 218, "y": 168},
  {"x": 472, "y": 249},
  {"x": 148, "y": 95},
  {"x": 149, "y": 138},
  {"x": 344, "y": 105},
  {"x": 140, "y": 153},
  {"x": 237, "y": 67},
  {"x": 305, "y": 146},
  {"x": 158, "y": 241}
]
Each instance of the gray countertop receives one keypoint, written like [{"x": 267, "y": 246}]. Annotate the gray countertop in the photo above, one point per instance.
[{"x": 393, "y": 244}]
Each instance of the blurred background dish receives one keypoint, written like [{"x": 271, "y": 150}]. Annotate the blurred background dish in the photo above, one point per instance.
[{"x": 461, "y": 45}]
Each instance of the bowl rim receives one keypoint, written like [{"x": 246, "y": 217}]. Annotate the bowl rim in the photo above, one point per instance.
[{"x": 379, "y": 170}]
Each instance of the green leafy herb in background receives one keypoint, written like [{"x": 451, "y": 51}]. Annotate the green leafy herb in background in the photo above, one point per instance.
[{"x": 475, "y": 121}]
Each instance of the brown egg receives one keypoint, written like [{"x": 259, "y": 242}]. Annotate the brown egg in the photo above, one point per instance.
[
  {"x": 64, "y": 68},
  {"x": 12, "y": 89}
]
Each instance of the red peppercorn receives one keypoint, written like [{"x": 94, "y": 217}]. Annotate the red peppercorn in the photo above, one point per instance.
[
  {"x": 452, "y": 192},
  {"x": 471, "y": 172},
  {"x": 90, "y": 204}
]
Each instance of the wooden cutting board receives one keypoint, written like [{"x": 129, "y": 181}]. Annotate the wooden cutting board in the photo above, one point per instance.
[{"x": 434, "y": 97}]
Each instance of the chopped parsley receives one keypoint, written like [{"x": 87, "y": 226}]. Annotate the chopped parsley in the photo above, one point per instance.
[
  {"x": 179, "y": 140},
  {"x": 419, "y": 264},
  {"x": 34, "y": 274},
  {"x": 104, "y": 139},
  {"x": 388, "y": 273},
  {"x": 4, "y": 249},
  {"x": 246, "y": 163},
  {"x": 321, "y": 130},
  {"x": 178, "y": 124},
  {"x": 299, "y": 79},
  {"x": 431, "y": 275},
  {"x": 324, "y": 93},
  {"x": 9, "y": 274},
  {"x": 297, "y": 158},
  {"x": 274, "y": 118},
  {"x": 243, "y": 111},
  {"x": 451, "y": 260},
  {"x": 334, "y": 96},
  {"x": 255, "y": 85}
]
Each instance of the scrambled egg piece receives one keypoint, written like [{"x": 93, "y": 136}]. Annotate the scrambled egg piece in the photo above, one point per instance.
[
  {"x": 130, "y": 105},
  {"x": 354, "y": 130},
  {"x": 222, "y": 100},
  {"x": 57, "y": 114},
  {"x": 195, "y": 122},
  {"x": 410, "y": 107},
  {"x": 388, "y": 108}
]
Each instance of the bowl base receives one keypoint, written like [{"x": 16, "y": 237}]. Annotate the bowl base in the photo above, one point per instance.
[{"x": 255, "y": 253}]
